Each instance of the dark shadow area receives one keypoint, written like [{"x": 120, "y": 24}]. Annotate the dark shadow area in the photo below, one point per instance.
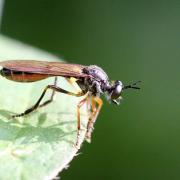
[{"x": 12, "y": 129}]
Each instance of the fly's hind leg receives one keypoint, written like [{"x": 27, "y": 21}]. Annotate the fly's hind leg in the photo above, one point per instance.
[
  {"x": 52, "y": 87},
  {"x": 70, "y": 80},
  {"x": 58, "y": 89},
  {"x": 74, "y": 84},
  {"x": 92, "y": 119},
  {"x": 52, "y": 95}
]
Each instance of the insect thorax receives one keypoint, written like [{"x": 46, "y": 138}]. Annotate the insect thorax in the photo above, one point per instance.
[{"x": 97, "y": 81}]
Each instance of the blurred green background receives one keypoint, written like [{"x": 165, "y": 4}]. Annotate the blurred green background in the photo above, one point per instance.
[{"x": 130, "y": 40}]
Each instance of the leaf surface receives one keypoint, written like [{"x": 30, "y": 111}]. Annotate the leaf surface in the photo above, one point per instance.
[{"x": 41, "y": 144}]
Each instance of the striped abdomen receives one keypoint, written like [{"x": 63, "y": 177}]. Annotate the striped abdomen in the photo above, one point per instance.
[{"x": 21, "y": 76}]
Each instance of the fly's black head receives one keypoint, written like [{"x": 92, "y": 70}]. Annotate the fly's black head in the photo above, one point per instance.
[{"x": 116, "y": 89}]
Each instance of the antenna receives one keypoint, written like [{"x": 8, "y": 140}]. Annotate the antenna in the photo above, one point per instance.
[{"x": 132, "y": 85}]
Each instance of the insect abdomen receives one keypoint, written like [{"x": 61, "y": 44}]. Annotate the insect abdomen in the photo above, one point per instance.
[{"x": 20, "y": 76}]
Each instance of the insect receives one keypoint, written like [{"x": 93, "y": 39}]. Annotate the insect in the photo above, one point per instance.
[{"x": 92, "y": 80}]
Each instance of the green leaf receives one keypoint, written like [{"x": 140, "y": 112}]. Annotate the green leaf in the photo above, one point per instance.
[{"x": 40, "y": 145}]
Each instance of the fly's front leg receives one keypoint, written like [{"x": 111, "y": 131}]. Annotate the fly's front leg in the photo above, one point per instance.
[
  {"x": 93, "y": 116},
  {"x": 54, "y": 88},
  {"x": 80, "y": 104}
]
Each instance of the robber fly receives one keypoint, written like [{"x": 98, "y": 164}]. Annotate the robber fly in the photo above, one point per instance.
[{"x": 92, "y": 80}]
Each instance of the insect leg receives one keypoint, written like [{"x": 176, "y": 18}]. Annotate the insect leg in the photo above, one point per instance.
[
  {"x": 53, "y": 87},
  {"x": 92, "y": 109},
  {"x": 72, "y": 81},
  {"x": 80, "y": 104},
  {"x": 93, "y": 117},
  {"x": 52, "y": 95},
  {"x": 100, "y": 103}
]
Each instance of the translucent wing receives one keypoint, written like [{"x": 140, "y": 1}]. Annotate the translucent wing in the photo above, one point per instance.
[{"x": 43, "y": 67}]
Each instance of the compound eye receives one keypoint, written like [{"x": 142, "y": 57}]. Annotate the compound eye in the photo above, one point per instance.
[{"x": 116, "y": 92}]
